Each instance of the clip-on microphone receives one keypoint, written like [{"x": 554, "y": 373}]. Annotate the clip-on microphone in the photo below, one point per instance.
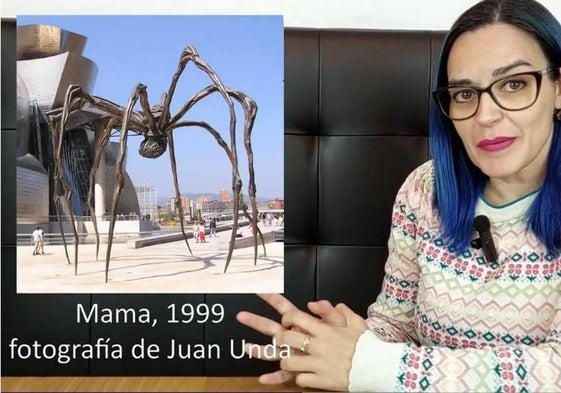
[{"x": 485, "y": 241}]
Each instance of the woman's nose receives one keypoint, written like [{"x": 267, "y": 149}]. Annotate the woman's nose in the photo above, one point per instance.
[{"x": 488, "y": 110}]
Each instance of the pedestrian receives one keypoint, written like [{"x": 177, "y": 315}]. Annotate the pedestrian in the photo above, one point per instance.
[
  {"x": 37, "y": 238},
  {"x": 212, "y": 227},
  {"x": 196, "y": 231},
  {"x": 202, "y": 232}
]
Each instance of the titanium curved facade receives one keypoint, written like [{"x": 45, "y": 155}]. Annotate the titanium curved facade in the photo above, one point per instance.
[{"x": 49, "y": 60}]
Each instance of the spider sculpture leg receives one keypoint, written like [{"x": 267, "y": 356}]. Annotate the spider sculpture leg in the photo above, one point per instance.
[
  {"x": 222, "y": 144},
  {"x": 75, "y": 99},
  {"x": 236, "y": 188},
  {"x": 72, "y": 101},
  {"x": 101, "y": 146},
  {"x": 236, "y": 178},
  {"x": 250, "y": 110},
  {"x": 138, "y": 91},
  {"x": 190, "y": 54},
  {"x": 176, "y": 185},
  {"x": 53, "y": 125}
]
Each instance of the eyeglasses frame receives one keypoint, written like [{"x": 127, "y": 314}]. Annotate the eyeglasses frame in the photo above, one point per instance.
[{"x": 538, "y": 74}]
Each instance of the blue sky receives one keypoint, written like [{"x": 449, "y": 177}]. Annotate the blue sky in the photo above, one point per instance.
[{"x": 247, "y": 54}]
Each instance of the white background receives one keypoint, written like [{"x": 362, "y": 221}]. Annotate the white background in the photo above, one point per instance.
[{"x": 375, "y": 14}]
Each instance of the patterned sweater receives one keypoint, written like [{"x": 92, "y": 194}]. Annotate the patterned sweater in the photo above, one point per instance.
[{"x": 447, "y": 323}]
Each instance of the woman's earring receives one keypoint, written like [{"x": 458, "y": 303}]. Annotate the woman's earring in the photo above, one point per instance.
[{"x": 557, "y": 115}]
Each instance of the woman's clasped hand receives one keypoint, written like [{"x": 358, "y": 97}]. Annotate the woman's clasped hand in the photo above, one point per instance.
[{"x": 322, "y": 345}]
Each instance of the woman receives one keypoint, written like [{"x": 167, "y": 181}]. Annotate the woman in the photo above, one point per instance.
[{"x": 451, "y": 319}]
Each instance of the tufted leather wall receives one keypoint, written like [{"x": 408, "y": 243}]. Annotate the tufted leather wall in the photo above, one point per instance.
[
  {"x": 356, "y": 109},
  {"x": 356, "y": 106}
]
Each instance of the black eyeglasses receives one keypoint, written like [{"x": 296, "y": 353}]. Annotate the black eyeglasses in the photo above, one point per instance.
[{"x": 512, "y": 93}]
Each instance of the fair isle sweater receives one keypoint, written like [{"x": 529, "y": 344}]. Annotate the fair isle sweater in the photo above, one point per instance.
[{"x": 447, "y": 323}]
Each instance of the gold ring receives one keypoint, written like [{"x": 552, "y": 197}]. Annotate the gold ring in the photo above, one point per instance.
[{"x": 305, "y": 345}]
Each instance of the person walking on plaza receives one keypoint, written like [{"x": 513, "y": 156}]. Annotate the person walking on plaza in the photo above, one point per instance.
[
  {"x": 202, "y": 232},
  {"x": 212, "y": 227},
  {"x": 196, "y": 232},
  {"x": 37, "y": 237},
  {"x": 41, "y": 244}
]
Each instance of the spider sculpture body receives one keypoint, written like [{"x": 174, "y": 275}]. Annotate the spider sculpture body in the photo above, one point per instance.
[{"x": 157, "y": 126}]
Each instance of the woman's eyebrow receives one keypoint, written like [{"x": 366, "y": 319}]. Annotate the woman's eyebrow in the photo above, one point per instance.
[
  {"x": 497, "y": 72},
  {"x": 503, "y": 70},
  {"x": 460, "y": 82}
]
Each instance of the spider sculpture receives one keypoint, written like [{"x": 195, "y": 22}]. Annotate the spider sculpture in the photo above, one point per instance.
[{"x": 157, "y": 125}]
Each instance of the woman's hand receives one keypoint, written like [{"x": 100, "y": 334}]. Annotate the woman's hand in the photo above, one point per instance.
[
  {"x": 283, "y": 306},
  {"x": 328, "y": 349},
  {"x": 323, "y": 369}
]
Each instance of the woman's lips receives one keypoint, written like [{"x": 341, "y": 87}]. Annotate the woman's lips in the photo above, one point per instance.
[{"x": 496, "y": 144}]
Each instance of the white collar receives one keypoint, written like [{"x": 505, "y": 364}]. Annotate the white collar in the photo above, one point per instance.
[{"x": 509, "y": 211}]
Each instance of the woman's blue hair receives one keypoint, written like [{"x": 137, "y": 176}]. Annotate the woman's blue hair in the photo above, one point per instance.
[{"x": 458, "y": 182}]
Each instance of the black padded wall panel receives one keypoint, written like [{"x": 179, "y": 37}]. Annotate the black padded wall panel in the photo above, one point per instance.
[
  {"x": 300, "y": 273},
  {"x": 301, "y": 178},
  {"x": 374, "y": 82},
  {"x": 301, "y": 82},
  {"x": 47, "y": 319},
  {"x": 230, "y": 331},
  {"x": 373, "y": 97},
  {"x": 350, "y": 275},
  {"x": 358, "y": 180},
  {"x": 8, "y": 60},
  {"x": 8, "y": 152},
  {"x": 437, "y": 41},
  {"x": 8, "y": 116}
]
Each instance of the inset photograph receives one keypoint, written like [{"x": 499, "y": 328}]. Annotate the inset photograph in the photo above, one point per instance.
[{"x": 150, "y": 154}]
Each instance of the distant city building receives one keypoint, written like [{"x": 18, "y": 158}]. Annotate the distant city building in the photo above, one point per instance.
[
  {"x": 204, "y": 199},
  {"x": 162, "y": 210},
  {"x": 224, "y": 196},
  {"x": 148, "y": 202},
  {"x": 276, "y": 203},
  {"x": 262, "y": 206},
  {"x": 185, "y": 204},
  {"x": 217, "y": 206}
]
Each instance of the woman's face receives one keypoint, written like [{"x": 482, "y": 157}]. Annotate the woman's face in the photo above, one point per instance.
[{"x": 504, "y": 144}]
